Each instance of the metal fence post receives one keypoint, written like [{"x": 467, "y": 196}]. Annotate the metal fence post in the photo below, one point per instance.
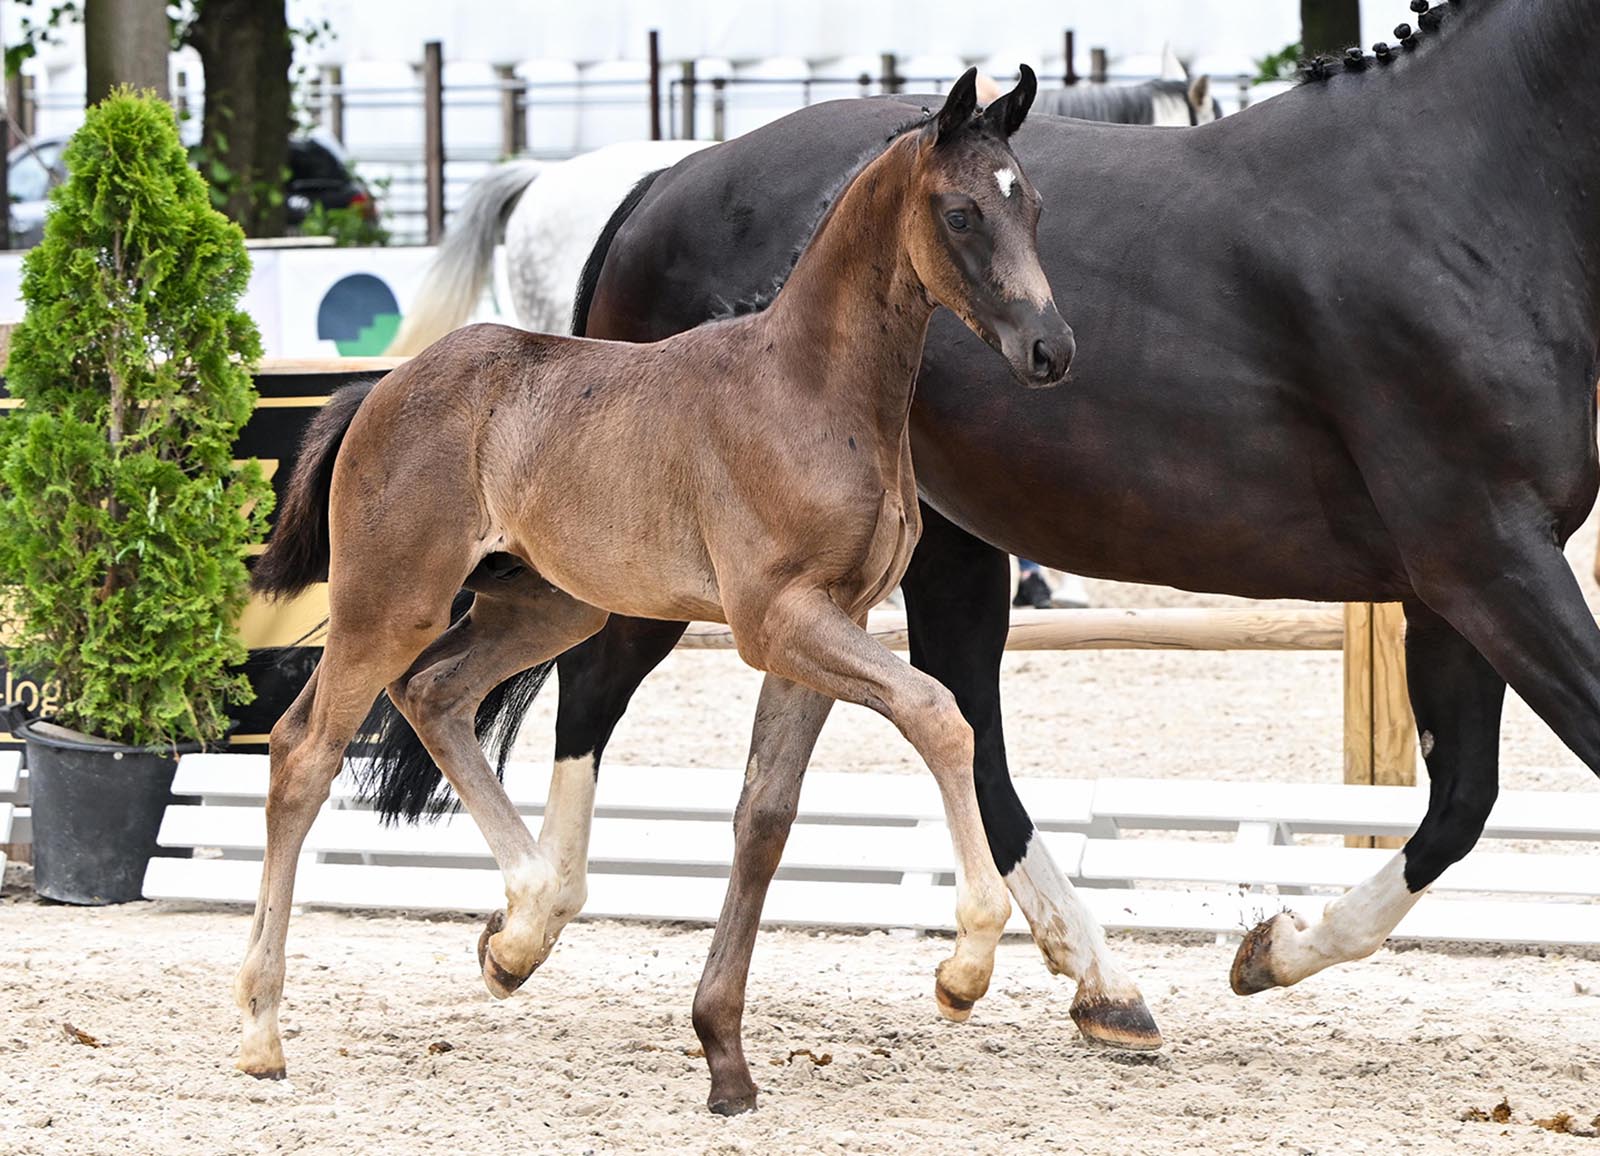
[
  {"x": 1097, "y": 65},
  {"x": 332, "y": 115},
  {"x": 1069, "y": 75},
  {"x": 655, "y": 85},
  {"x": 719, "y": 108},
  {"x": 688, "y": 100},
  {"x": 433, "y": 136},
  {"x": 513, "y": 111},
  {"x": 891, "y": 78}
]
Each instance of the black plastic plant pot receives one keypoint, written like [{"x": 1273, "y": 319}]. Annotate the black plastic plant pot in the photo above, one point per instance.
[{"x": 97, "y": 808}]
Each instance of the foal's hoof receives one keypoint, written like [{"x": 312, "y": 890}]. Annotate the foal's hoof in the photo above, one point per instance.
[
  {"x": 1254, "y": 966},
  {"x": 267, "y": 1073},
  {"x": 955, "y": 1008},
  {"x": 500, "y": 982},
  {"x": 1116, "y": 1023},
  {"x": 734, "y": 1103}
]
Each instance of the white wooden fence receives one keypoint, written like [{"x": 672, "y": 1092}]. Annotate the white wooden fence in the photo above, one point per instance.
[
  {"x": 16, "y": 818},
  {"x": 871, "y": 850}
]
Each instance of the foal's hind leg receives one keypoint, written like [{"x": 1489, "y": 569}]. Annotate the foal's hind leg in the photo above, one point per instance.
[
  {"x": 804, "y": 637},
  {"x": 364, "y": 650},
  {"x": 439, "y": 696},
  {"x": 958, "y": 611},
  {"x": 1457, "y": 697}
]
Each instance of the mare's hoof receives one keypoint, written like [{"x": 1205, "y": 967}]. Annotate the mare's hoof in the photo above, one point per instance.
[
  {"x": 734, "y": 1103},
  {"x": 500, "y": 982},
  {"x": 1117, "y": 1023},
  {"x": 1252, "y": 969}
]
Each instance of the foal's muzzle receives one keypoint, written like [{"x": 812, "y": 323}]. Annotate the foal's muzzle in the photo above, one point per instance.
[{"x": 1038, "y": 344}]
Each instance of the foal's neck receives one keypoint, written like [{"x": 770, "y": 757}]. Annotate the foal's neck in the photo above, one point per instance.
[{"x": 852, "y": 316}]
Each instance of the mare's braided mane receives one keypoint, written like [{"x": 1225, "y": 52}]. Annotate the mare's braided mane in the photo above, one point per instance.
[{"x": 1430, "y": 18}]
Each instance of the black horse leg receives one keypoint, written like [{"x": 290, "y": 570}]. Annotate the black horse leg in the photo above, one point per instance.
[
  {"x": 958, "y": 611},
  {"x": 1456, "y": 697},
  {"x": 598, "y": 678}
]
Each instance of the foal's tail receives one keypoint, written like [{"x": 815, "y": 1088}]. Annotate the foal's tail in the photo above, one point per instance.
[
  {"x": 297, "y": 553},
  {"x": 455, "y": 280}
]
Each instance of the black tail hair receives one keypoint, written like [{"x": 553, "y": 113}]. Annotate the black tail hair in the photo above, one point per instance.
[
  {"x": 297, "y": 553},
  {"x": 400, "y": 779},
  {"x": 590, "y": 279}
]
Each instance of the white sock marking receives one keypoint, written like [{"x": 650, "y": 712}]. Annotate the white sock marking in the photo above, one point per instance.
[{"x": 1067, "y": 935}]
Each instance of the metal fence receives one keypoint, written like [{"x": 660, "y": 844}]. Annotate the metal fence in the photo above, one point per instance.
[{"x": 405, "y": 139}]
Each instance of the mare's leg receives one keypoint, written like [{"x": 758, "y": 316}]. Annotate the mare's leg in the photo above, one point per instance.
[
  {"x": 1457, "y": 697},
  {"x": 439, "y": 695},
  {"x": 958, "y": 610},
  {"x": 804, "y": 637},
  {"x": 370, "y": 639},
  {"x": 597, "y": 680},
  {"x": 788, "y": 719}
]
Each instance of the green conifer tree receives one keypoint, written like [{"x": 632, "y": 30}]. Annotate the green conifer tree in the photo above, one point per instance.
[{"x": 124, "y": 520}]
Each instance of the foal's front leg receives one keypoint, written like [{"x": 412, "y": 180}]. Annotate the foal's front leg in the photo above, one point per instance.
[{"x": 803, "y": 636}]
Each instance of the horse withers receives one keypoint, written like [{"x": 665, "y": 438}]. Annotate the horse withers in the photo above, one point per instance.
[{"x": 754, "y": 471}]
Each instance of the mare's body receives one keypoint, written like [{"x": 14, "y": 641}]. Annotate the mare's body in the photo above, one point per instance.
[{"x": 1341, "y": 346}]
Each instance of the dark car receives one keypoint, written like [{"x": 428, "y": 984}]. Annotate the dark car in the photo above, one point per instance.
[{"x": 319, "y": 174}]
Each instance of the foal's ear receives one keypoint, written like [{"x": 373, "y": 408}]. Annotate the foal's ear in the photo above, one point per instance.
[
  {"x": 1007, "y": 114},
  {"x": 958, "y": 106}
]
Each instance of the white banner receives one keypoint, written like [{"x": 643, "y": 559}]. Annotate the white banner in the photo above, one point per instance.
[{"x": 316, "y": 302}]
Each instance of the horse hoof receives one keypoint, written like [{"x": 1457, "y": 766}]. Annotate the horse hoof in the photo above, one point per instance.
[
  {"x": 500, "y": 982},
  {"x": 1252, "y": 969},
  {"x": 734, "y": 1103},
  {"x": 956, "y": 1009},
  {"x": 1117, "y": 1023},
  {"x": 270, "y": 1073}
]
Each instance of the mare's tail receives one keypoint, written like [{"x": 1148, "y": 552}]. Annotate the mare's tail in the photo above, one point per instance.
[
  {"x": 297, "y": 552},
  {"x": 590, "y": 279},
  {"x": 454, "y": 282},
  {"x": 400, "y": 779}
]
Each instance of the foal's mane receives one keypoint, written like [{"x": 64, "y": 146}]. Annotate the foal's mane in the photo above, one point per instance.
[
  {"x": 723, "y": 309},
  {"x": 1429, "y": 17}
]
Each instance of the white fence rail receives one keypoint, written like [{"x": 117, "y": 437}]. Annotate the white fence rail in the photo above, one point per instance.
[{"x": 871, "y": 851}]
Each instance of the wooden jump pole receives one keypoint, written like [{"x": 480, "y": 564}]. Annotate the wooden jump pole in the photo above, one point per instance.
[{"x": 1164, "y": 629}]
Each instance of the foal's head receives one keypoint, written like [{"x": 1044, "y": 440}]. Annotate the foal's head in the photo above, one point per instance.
[{"x": 973, "y": 228}]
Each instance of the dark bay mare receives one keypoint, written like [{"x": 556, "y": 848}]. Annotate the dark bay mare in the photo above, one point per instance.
[
  {"x": 1340, "y": 346},
  {"x": 755, "y": 471}
]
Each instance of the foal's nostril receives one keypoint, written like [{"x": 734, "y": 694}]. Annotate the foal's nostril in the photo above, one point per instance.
[{"x": 1041, "y": 359}]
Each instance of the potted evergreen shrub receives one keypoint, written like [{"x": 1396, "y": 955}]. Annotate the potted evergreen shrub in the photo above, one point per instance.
[{"x": 124, "y": 520}]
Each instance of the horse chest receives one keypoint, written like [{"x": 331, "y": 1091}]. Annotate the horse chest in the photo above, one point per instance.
[{"x": 883, "y": 557}]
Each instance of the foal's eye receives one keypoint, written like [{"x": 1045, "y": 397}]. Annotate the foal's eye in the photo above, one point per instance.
[{"x": 957, "y": 220}]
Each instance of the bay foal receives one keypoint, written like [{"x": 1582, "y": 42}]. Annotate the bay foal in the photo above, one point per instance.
[{"x": 754, "y": 471}]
